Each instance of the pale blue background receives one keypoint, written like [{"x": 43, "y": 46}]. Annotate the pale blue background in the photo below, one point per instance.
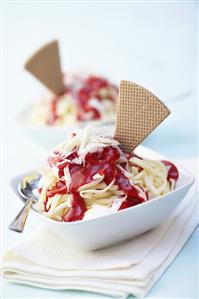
[{"x": 153, "y": 44}]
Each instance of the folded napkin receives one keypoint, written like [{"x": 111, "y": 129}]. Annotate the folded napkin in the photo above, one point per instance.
[{"x": 45, "y": 260}]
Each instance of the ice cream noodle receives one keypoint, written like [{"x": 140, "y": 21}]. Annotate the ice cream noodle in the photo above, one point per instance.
[
  {"x": 93, "y": 173},
  {"x": 85, "y": 98},
  {"x": 74, "y": 97}
]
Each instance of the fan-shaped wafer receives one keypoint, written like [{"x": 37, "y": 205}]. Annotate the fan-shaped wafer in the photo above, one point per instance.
[
  {"x": 139, "y": 112},
  {"x": 45, "y": 66}
]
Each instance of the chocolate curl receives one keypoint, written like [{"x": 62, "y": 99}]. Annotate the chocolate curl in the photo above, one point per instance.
[
  {"x": 139, "y": 112},
  {"x": 45, "y": 66}
]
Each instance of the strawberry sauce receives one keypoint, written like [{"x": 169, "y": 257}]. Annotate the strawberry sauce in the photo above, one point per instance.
[
  {"x": 106, "y": 163},
  {"x": 103, "y": 163},
  {"x": 90, "y": 87},
  {"x": 172, "y": 170}
]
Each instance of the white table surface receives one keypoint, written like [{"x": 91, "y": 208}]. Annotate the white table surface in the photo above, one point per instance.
[{"x": 151, "y": 44}]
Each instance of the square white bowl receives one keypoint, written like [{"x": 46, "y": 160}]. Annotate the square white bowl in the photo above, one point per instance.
[{"x": 113, "y": 229}]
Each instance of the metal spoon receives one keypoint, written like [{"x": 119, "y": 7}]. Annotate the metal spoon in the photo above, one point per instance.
[{"x": 25, "y": 189}]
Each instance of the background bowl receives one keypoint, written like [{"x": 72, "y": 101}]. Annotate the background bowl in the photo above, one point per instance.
[
  {"x": 49, "y": 136},
  {"x": 115, "y": 228}
]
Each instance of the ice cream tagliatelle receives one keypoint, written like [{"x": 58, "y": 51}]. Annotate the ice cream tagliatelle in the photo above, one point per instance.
[
  {"x": 89, "y": 176},
  {"x": 85, "y": 98}
]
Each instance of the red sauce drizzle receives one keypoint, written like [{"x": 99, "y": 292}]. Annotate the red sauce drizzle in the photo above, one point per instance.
[
  {"x": 53, "y": 111},
  {"x": 90, "y": 88},
  {"x": 103, "y": 162},
  {"x": 172, "y": 170},
  {"x": 77, "y": 210}
]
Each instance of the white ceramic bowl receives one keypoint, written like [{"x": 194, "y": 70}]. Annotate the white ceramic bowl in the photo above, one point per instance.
[
  {"x": 128, "y": 223},
  {"x": 49, "y": 136}
]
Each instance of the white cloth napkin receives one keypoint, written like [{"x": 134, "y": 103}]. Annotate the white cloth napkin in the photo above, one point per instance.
[{"x": 45, "y": 260}]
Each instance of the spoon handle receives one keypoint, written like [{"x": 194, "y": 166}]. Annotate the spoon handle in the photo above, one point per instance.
[{"x": 19, "y": 221}]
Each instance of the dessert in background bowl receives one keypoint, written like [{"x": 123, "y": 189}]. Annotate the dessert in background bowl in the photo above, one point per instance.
[
  {"x": 85, "y": 98},
  {"x": 73, "y": 99}
]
